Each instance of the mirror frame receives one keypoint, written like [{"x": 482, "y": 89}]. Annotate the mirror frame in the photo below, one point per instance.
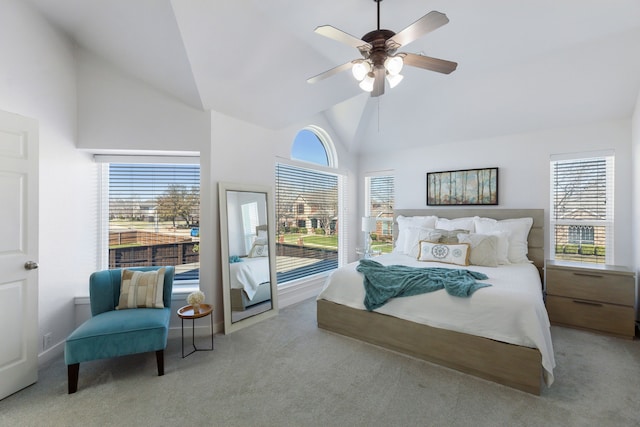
[{"x": 223, "y": 188}]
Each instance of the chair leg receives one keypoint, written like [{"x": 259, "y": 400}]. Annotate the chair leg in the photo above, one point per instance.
[
  {"x": 72, "y": 377},
  {"x": 160, "y": 360}
]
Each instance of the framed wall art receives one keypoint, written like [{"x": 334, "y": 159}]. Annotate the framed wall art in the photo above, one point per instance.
[{"x": 463, "y": 187}]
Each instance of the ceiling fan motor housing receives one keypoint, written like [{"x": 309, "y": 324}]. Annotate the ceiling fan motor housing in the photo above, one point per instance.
[{"x": 379, "y": 49}]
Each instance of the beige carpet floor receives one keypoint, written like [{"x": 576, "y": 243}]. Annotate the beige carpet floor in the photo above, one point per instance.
[{"x": 287, "y": 372}]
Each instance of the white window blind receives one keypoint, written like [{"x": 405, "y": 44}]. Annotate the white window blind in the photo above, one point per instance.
[
  {"x": 308, "y": 218},
  {"x": 379, "y": 198},
  {"x": 153, "y": 216},
  {"x": 582, "y": 209}
]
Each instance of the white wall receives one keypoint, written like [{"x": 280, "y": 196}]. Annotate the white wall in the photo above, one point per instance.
[
  {"x": 523, "y": 162},
  {"x": 38, "y": 79},
  {"x": 118, "y": 112}
]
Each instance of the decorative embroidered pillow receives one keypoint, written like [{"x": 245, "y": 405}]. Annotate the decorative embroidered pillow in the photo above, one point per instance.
[
  {"x": 141, "y": 289},
  {"x": 449, "y": 254},
  {"x": 484, "y": 248},
  {"x": 259, "y": 250}
]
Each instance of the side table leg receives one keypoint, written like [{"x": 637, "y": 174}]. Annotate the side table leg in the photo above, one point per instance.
[
  {"x": 211, "y": 316},
  {"x": 182, "y": 335},
  {"x": 193, "y": 334}
]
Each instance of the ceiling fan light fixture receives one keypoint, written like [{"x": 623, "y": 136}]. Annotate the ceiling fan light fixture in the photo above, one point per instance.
[
  {"x": 393, "y": 64},
  {"x": 394, "y": 79},
  {"x": 360, "y": 69},
  {"x": 367, "y": 83}
]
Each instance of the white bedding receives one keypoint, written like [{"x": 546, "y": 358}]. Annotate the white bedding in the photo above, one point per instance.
[
  {"x": 512, "y": 310},
  {"x": 249, "y": 274}
]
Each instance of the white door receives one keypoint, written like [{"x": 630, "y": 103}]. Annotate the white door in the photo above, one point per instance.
[{"x": 18, "y": 252}]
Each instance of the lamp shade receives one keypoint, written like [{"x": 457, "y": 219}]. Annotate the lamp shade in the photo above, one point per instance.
[
  {"x": 393, "y": 64},
  {"x": 360, "y": 69},
  {"x": 369, "y": 224},
  {"x": 394, "y": 79},
  {"x": 367, "y": 83}
]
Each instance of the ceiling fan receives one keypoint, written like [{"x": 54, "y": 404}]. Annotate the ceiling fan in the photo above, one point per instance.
[{"x": 379, "y": 58}]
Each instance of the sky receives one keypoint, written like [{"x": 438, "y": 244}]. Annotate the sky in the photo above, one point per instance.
[{"x": 307, "y": 147}]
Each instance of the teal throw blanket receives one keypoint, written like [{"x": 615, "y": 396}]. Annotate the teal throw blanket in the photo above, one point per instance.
[{"x": 382, "y": 283}]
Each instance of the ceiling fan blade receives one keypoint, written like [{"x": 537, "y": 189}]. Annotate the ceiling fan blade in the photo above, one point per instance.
[
  {"x": 429, "y": 22},
  {"x": 329, "y": 73},
  {"x": 429, "y": 63},
  {"x": 342, "y": 37},
  {"x": 378, "y": 82}
]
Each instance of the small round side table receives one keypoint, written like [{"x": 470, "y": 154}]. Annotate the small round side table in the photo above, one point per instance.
[{"x": 187, "y": 312}]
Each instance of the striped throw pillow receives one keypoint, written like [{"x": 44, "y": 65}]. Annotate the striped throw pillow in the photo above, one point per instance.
[{"x": 141, "y": 289}]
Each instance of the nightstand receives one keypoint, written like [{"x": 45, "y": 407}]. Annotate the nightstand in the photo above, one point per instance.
[{"x": 597, "y": 298}]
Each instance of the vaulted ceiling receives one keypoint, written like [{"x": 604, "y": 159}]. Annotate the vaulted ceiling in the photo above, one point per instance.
[{"x": 523, "y": 65}]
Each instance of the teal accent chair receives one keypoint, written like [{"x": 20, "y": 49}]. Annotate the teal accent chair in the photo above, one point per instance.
[{"x": 112, "y": 333}]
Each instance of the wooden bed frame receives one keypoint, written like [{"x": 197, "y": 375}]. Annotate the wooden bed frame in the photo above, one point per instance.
[
  {"x": 240, "y": 301},
  {"x": 511, "y": 365}
]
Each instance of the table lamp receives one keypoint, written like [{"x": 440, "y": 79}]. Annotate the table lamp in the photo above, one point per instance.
[{"x": 369, "y": 224}]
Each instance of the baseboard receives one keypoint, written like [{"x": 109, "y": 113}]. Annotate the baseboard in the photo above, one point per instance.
[
  {"x": 51, "y": 353},
  {"x": 300, "y": 291}
]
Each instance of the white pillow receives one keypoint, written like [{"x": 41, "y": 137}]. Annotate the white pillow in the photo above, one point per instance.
[
  {"x": 415, "y": 235},
  {"x": 518, "y": 229},
  {"x": 404, "y": 222},
  {"x": 450, "y": 254},
  {"x": 502, "y": 250},
  {"x": 456, "y": 224},
  {"x": 484, "y": 248}
]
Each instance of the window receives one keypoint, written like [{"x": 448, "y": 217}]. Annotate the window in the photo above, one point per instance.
[
  {"x": 250, "y": 222},
  {"x": 379, "y": 193},
  {"x": 579, "y": 234},
  {"x": 308, "y": 201},
  {"x": 582, "y": 209},
  {"x": 308, "y": 147},
  {"x": 151, "y": 215}
]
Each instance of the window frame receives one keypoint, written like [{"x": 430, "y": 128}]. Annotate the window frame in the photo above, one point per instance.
[
  {"x": 103, "y": 161},
  {"x": 608, "y": 222},
  {"x": 331, "y": 169},
  {"x": 387, "y": 221}
]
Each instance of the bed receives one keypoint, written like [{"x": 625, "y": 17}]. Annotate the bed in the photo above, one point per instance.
[
  {"x": 501, "y": 333},
  {"x": 250, "y": 275}
]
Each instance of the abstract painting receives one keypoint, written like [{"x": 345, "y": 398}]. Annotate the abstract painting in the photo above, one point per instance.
[{"x": 463, "y": 187}]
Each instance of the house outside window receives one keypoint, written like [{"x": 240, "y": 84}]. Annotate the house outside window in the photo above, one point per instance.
[
  {"x": 580, "y": 234},
  {"x": 582, "y": 214},
  {"x": 150, "y": 214}
]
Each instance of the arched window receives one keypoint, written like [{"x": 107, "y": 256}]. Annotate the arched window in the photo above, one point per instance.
[
  {"x": 308, "y": 201},
  {"x": 313, "y": 145}
]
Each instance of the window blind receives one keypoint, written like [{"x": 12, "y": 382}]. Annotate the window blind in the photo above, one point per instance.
[
  {"x": 153, "y": 216},
  {"x": 307, "y": 214},
  {"x": 379, "y": 202},
  {"x": 582, "y": 209}
]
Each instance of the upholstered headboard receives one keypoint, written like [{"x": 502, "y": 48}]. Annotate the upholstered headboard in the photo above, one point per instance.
[{"x": 536, "y": 235}]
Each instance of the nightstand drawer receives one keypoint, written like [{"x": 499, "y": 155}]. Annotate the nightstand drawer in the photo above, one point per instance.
[
  {"x": 591, "y": 285},
  {"x": 614, "y": 319}
]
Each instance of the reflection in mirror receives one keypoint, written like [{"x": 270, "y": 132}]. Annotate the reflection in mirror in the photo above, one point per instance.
[{"x": 248, "y": 254}]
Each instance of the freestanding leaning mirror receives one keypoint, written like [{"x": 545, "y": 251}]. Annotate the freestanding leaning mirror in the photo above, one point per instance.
[{"x": 247, "y": 230}]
